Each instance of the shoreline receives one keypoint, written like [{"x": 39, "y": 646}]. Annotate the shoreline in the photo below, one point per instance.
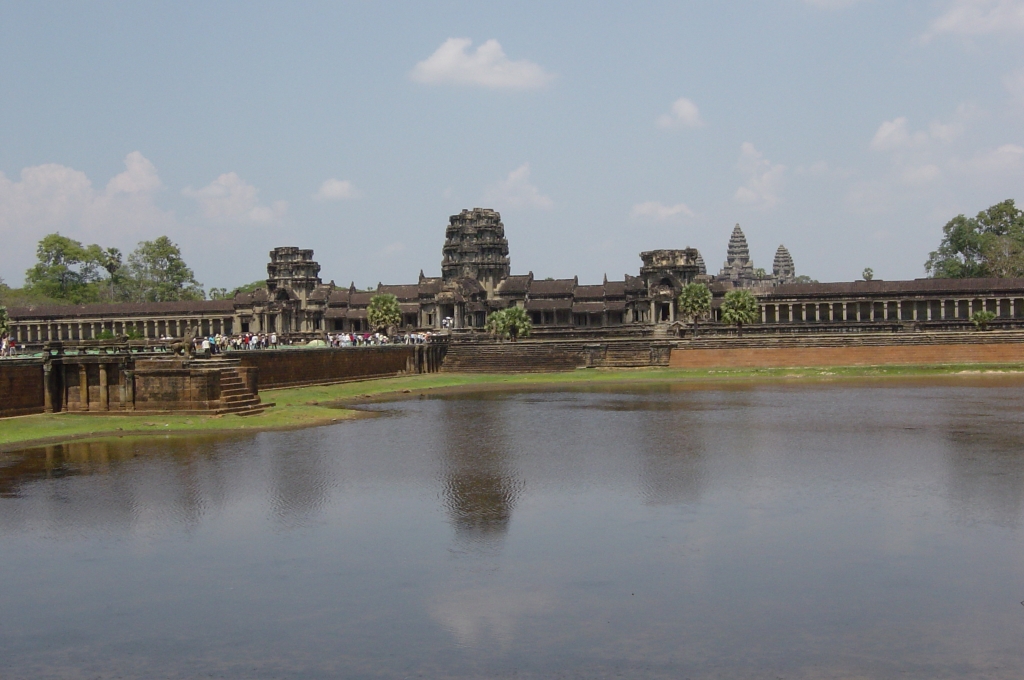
[{"x": 320, "y": 405}]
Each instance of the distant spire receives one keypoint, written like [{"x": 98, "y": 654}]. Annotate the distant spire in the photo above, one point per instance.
[
  {"x": 701, "y": 267},
  {"x": 783, "y": 267},
  {"x": 738, "y": 250}
]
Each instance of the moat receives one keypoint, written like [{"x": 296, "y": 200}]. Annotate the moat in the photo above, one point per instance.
[{"x": 854, "y": 529}]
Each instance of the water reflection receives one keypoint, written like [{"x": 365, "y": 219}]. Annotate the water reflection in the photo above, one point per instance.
[
  {"x": 479, "y": 482},
  {"x": 824, "y": 531}
]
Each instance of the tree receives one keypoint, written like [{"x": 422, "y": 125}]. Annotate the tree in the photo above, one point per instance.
[
  {"x": 3, "y": 319},
  {"x": 111, "y": 261},
  {"x": 225, "y": 294},
  {"x": 66, "y": 270},
  {"x": 868, "y": 274},
  {"x": 981, "y": 319},
  {"x": 156, "y": 273},
  {"x": 383, "y": 312},
  {"x": 989, "y": 244},
  {"x": 739, "y": 307},
  {"x": 694, "y": 302},
  {"x": 511, "y": 322},
  {"x": 804, "y": 278}
]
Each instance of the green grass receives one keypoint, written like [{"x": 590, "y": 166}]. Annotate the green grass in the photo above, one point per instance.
[{"x": 321, "y": 405}]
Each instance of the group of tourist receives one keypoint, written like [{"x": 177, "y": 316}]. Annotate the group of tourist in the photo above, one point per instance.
[{"x": 361, "y": 339}]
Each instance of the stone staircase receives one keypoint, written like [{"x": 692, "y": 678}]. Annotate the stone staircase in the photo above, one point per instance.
[{"x": 234, "y": 396}]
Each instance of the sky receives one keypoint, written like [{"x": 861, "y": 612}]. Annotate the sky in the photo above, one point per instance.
[{"x": 850, "y": 131}]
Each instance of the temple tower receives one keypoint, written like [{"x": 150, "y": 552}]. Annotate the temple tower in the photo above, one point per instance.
[
  {"x": 292, "y": 269},
  {"x": 739, "y": 268},
  {"x": 783, "y": 268},
  {"x": 475, "y": 247}
]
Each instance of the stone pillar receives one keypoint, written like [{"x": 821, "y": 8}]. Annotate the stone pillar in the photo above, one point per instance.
[
  {"x": 928, "y": 310},
  {"x": 83, "y": 388},
  {"x": 104, "y": 393},
  {"x": 859, "y": 305},
  {"x": 764, "y": 313},
  {"x": 48, "y": 387},
  {"x": 1013, "y": 308},
  {"x": 942, "y": 309}
]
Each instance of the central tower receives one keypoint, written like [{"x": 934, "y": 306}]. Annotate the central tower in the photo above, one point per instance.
[{"x": 475, "y": 247}]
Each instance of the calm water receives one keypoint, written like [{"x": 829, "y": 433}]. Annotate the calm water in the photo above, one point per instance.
[{"x": 846, "y": 531}]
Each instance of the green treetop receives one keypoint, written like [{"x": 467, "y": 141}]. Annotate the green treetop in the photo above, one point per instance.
[
  {"x": 740, "y": 307},
  {"x": 694, "y": 302},
  {"x": 66, "y": 270},
  {"x": 383, "y": 312},
  {"x": 512, "y": 322},
  {"x": 157, "y": 273},
  {"x": 989, "y": 244}
]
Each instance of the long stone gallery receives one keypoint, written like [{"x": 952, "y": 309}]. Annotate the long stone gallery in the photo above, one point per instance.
[{"x": 476, "y": 279}]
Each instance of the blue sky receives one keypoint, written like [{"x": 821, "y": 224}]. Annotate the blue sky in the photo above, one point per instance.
[{"x": 850, "y": 131}]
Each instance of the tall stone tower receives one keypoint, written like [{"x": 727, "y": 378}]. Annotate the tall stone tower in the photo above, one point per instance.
[
  {"x": 475, "y": 247},
  {"x": 292, "y": 269},
  {"x": 783, "y": 268},
  {"x": 739, "y": 268}
]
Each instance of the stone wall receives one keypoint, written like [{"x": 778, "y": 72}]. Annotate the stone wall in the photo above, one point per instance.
[
  {"x": 175, "y": 385},
  {"x": 917, "y": 349},
  {"x": 291, "y": 368},
  {"x": 21, "y": 387}
]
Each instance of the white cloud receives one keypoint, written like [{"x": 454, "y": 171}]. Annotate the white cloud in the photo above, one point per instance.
[
  {"x": 978, "y": 17},
  {"x": 230, "y": 199},
  {"x": 53, "y": 197},
  {"x": 487, "y": 67},
  {"x": 336, "y": 190},
  {"x": 765, "y": 180},
  {"x": 684, "y": 113},
  {"x": 659, "y": 211},
  {"x": 1007, "y": 158},
  {"x": 517, "y": 191},
  {"x": 894, "y": 135}
]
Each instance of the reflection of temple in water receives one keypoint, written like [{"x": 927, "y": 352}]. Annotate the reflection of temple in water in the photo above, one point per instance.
[{"x": 480, "y": 487}]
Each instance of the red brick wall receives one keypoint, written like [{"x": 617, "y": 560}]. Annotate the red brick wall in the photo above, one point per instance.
[
  {"x": 21, "y": 387},
  {"x": 284, "y": 368},
  {"x": 770, "y": 357}
]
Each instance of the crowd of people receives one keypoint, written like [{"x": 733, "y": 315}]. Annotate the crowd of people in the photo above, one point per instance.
[{"x": 218, "y": 343}]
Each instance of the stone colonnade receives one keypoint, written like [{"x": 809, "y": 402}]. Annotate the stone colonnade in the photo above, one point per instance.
[
  {"x": 151, "y": 328},
  {"x": 915, "y": 309}
]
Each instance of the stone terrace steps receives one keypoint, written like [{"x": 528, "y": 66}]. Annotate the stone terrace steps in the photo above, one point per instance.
[
  {"x": 852, "y": 340},
  {"x": 234, "y": 396}
]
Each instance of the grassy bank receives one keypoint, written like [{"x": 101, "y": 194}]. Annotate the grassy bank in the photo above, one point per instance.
[{"x": 321, "y": 405}]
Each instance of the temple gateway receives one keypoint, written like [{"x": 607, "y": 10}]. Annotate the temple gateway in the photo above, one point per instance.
[{"x": 476, "y": 279}]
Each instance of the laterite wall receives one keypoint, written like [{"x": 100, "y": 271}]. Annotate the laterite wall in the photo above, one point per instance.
[
  {"x": 21, "y": 387},
  {"x": 288, "y": 368},
  {"x": 783, "y": 357}
]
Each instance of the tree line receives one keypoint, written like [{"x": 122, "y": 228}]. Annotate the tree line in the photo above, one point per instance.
[{"x": 69, "y": 272}]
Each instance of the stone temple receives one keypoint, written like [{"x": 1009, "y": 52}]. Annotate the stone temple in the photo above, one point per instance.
[{"x": 477, "y": 278}]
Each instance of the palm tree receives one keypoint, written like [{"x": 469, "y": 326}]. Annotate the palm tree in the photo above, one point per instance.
[
  {"x": 739, "y": 307},
  {"x": 694, "y": 302},
  {"x": 512, "y": 322},
  {"x": 383, "y": 312}
]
